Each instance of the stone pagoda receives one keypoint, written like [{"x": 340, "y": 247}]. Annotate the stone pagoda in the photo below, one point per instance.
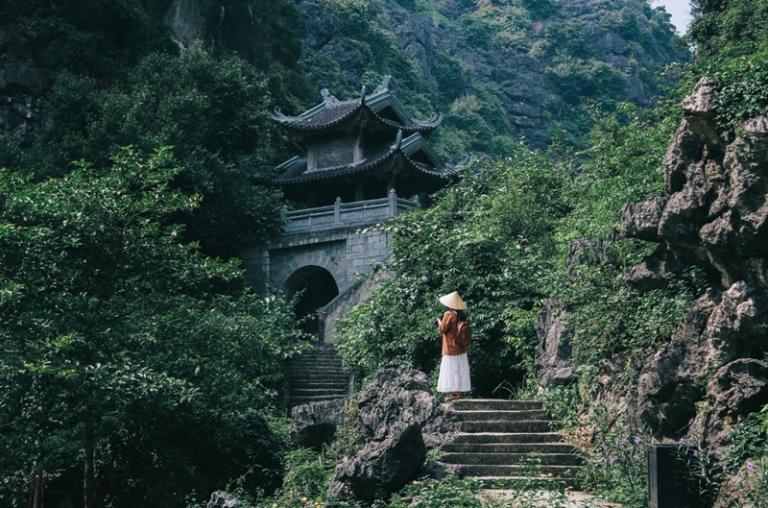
[{"x": 360, "y": 162}]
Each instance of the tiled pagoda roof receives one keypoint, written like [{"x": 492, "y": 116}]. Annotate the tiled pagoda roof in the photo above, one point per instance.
[
  {"x": 294, "y": 171},
  {"x": 333, "y": 112}
]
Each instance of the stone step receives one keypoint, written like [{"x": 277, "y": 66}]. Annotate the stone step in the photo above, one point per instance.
[
  {"x": 507, "y": 437},
  {"x": 308, "y": 392},
  {"x": 515, "y": 470},
  {"x": 297, "y": 384},
  {"x": 526, "y": 482},
  {"x": 298, "y": 401},
  {"x": 298, "y": 369},
  {"x": 315, "y": 356},
  {"x": 319, "y": 359},
  {"x": 532, "y": 460},
  {"x": 318, "y": 375},
  {"x": 506, "y": 426},
  {"x": 513, "y": 415},
  {"x": 494, "y": 404},
  {"x": 508, "y": 448}
]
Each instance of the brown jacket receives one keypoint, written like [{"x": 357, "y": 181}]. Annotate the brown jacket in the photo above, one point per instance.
[{"x": 449, "y": 328}]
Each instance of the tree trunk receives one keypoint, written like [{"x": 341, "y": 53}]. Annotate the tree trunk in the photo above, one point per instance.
[{"x": 89, "y": 500}]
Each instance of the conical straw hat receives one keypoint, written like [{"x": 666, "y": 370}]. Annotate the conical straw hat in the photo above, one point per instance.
[{"x": 453, "y": 301}]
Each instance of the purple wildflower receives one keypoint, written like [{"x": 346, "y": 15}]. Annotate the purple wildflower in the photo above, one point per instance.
[
  {"x": 637, "y": 440},
  {"x": 750, "y": 467}
]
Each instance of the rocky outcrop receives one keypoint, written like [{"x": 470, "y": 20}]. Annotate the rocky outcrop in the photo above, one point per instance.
[
  {"x": 524, "y": 72},
  {"x": 221, "y": 499},
  {"x": 382, "y": 467},
  {"x": 554, "y": 352},
  {"x": 736, "y": 389},
  {"x": 396, "y": 399},
  {"x": 714, "y": 215},
  {"x": 742, "y": 490},
  {"x": 398, "y": 419},
  {"x": 315, "y": 424},
  {"x": 553, "y": 362}
]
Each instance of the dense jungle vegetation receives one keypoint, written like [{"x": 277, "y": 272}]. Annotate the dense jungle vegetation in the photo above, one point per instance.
[{"x": 127, "y": 344}]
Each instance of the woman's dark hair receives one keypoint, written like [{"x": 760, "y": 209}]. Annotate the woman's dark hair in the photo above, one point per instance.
[{"x": 462, "y": 314}]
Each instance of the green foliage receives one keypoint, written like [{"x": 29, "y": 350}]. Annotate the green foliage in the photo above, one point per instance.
[
  {"x": 492, "y": 239},
  {"x": 728, "y": 28},
  {"x": 305, "y": 481},
  {"x": 100, "y": 38},
  {"x": 743, "y": 88},
  {"x": 577, "y": 72},
  {"x": 214, "y": 113},
  {"x": 450, "y": 492},
  {"x": 121, "y": 342},
  {"x": 617, "y": 467}
]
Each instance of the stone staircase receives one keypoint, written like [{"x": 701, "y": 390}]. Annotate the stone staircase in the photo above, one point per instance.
[
  {"x": 508, "y": 443},
  {"x": 317, "y": 376}
]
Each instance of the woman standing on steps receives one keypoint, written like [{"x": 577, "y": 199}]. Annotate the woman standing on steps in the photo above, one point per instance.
[{"x": 457, "y": 335}]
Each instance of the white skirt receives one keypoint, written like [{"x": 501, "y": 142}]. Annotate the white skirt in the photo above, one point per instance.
[{"x": 454, "y": 374}]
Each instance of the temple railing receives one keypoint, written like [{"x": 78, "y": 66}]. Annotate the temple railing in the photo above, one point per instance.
[{"x": 339, "y": 215}]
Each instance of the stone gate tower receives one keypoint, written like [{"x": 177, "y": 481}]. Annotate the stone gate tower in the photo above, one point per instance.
[{"x": 360, "y": 162}]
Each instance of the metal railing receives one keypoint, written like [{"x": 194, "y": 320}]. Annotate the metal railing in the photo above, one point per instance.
[{"x": 337, "y": 215}]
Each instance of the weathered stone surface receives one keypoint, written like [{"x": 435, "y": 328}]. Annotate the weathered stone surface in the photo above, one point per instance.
[
  {"x": 553, "y": 364},
  {"x": 736, "y": 389},
  {"x": 382, "y": 467},
  {"x": 657, "y": 270},
  {"x": 522, "y": 77},
  {"x": 221, "y": 499},
  {"x": 315, "y": 424},
  {"x": 399, "y": 420},
  {"x": 553, "y": 354},
  {"x": 395, "y": 399},
  {"x": 742, "y": 490},
  {"x": 715, "y": 215},
  {"x": 641, "y": 220}
]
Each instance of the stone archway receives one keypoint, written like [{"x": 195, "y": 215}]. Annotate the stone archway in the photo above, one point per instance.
[{"x": 314, "y": 287}]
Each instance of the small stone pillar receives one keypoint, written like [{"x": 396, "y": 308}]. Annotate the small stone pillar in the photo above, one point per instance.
[
  {"x": 337, "y": 210},
  {"x": 392, "y": 202}
]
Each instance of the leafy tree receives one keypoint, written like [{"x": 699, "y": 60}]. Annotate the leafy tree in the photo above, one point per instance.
[
  {"x": 728, "y": 28},
  {"x": 100, "y": 38},
  {"x": 124, "y": 354},
  {"x": 213, "y": 111},
  {"x": 492, "y": 239}
]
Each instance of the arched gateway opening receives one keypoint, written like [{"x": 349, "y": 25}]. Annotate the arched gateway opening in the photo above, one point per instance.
[{"x": 316, "y": 288}]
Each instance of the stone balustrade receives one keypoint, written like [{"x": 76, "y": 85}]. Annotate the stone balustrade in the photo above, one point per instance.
[{"x": 342, "y": 215}]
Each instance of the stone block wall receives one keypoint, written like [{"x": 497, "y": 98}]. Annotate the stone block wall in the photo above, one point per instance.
[{"x": 347, "y": 254}]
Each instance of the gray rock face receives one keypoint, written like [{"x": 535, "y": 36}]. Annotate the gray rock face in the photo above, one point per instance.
[
  {"x": 382, "y": 467},
  {"x": 523, "y": 71},
  {"x": 315, "y": 424},
  {"x": 742, "y": 490},
  {"x": 395, "y": 399},
  {"x": 399, "y": 420},
  {"x": 715, "y": 215},
  {"x": 736, "y": 389},
  {"x": 221, "y": 499},
  {"x": 553, "y": 354},
  {"x": 553, "y": 357}
]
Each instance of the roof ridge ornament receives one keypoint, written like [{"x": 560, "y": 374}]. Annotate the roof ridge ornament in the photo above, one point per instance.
[
  {"x": 384, "y": 85},
  {"x": 328, "y": 99},
  {"x": 362, "y": 96},
  {"x": 399, "y": 139}
]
